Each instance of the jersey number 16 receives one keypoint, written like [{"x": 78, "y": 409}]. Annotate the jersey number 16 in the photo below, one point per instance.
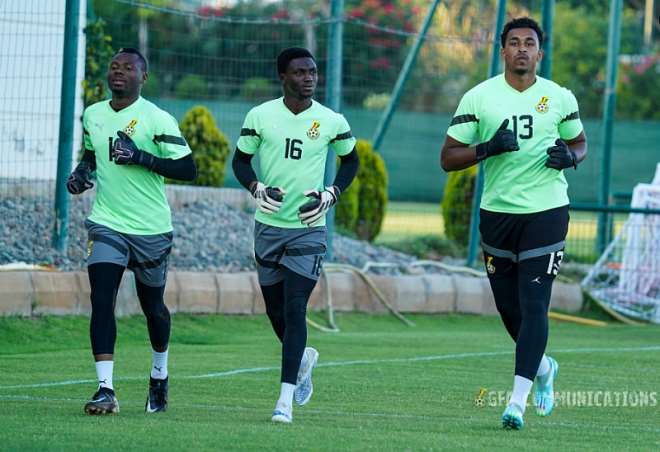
[{"x": 291, "y": 151}]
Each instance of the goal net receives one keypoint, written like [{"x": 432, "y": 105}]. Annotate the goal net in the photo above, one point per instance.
[{"x": 627, "y": 276}]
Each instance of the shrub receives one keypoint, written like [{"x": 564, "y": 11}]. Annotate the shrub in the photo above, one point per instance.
[
  {"x": 257, "y": 88},
  {"x": 97, "y": 57},
  {"x": 457, "y": 204},
  {"x": 348, "y": 209},
  {"x": 376, "y": 101},
  {"x": 191, "y": 86},
  {"x": 373, "y": 192},
  {"x": 209, "y": 145}
]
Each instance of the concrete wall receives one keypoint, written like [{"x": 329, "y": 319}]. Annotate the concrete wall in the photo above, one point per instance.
[{"x": 25, "y": 293}]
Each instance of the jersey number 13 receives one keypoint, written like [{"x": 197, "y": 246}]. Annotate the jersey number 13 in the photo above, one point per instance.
[{"x": 526, "y": 124}]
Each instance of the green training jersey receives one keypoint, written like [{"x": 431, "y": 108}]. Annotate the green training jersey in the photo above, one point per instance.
[
  {"x": 130, "y": 198},
  {"x": 519, "y": 182},
  {"x": 292, "y": 150}
]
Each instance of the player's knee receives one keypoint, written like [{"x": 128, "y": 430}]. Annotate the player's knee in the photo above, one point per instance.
[
  {"x": 296, "y": 309},
  {"x": 535, "y": 307},
  {"x": 274, "y": 312}
]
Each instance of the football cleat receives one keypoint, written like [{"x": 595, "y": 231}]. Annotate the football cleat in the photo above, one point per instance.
[
  {"x": 157, "y": 398},
  {"x": 103, "y": 402},
  {"x": 544, "y": 394},
  {"x": 512, "y": 418},
  {"x": 282, "y": 416},
  {"x": 304, "y": 387}
]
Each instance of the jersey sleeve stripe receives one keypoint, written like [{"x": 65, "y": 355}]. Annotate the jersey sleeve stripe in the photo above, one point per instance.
[
  {"x": 574, "y": 115},
  {"x": 462, "y": 119},
  {"x": 249, "y": 133},
  {"x": 170, "y": 139},
  {"x": 342, "y": 136}
]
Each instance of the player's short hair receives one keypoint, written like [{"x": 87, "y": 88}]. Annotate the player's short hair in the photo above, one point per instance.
[
  {"x": 286, "y": 55},
  {"x": 522, "y": 22},
  {"x": 134, "y": 51}
]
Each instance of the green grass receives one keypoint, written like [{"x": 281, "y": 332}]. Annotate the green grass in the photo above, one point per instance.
[{"x": 385, "y": 402}]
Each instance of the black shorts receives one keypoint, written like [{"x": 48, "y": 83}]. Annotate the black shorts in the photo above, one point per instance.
[{"x": 516, "y": 238}]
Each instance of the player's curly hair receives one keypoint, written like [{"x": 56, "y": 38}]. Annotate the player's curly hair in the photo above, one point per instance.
[
  {"x": 286, "y": 55},
  {"x": 522, "y": 22},
  {"x": 136, "y": 52}
]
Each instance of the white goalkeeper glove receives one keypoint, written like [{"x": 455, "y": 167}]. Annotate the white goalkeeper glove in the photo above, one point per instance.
[
  {"x": 269, "y": 199},
  {"x": 321, "y": 202}
]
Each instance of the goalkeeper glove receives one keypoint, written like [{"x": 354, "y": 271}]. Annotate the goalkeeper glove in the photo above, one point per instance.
[
  {"x": 79, "y": 180},
  {"x": 560, "y": 156},
  {"x": 126, "y": 152},
  {"x": 315, "y": 209},
  {"x": 269, "y": 199},
  {"x": 503, "y": 141}
]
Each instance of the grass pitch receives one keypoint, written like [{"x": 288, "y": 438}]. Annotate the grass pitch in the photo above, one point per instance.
[{"x": 379, "y": 386}]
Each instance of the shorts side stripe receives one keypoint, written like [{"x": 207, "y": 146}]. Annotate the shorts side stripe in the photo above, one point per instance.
[
  {"x": 542, "y": 251},
  {"x": 306, "y": 251},
  {"x": 264, "y": 263},
  {"x": 499, "y": 253}
]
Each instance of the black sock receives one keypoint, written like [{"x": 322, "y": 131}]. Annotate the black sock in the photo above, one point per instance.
[
  {"x": 104, "y": 280},
  {"x": 297, "y": 290},
  {"x": 535, "y": 288},
  {"x": 157, "y": 314}
]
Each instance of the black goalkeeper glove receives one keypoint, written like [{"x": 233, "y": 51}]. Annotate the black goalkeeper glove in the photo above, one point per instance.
[
  {"x": 126, "y": 152},
  {"x": 269, "y": 199},
  {"x": 80, "y": 179},
  {"x": 321, "y": 202},
  {"x": 560, "y": 156},
  {"x": 503, "y": 141}
]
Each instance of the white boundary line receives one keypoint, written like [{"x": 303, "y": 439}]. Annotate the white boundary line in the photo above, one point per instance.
[{"x": 252, "y": 370}]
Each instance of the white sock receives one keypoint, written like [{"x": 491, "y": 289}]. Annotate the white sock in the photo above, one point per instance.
[
  {"x": 544, "y": 367},
  {"x": 159, "y": 365},
  {"x": 521, "y": 388},
  {"x": 286, "y": 397},
  {"x": 104, "y": 373}
]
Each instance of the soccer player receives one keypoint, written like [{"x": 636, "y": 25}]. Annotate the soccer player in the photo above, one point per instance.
[
  {"x": 291, "y": 136},
  {"x": 528, "y": 132},
  {"x": 132, "y": 145}
]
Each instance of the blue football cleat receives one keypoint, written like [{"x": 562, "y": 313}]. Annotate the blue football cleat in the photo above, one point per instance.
[
  {"x": 304, "y": 387},
  {"x": 512, "y": 418},
  {"x": 544, "y": 394}
]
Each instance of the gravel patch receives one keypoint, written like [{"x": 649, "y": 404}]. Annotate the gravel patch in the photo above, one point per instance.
[{"x": 209, "y": 235}]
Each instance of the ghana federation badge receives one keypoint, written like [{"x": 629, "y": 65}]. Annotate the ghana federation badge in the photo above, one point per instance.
[
  {"x": 489, "y": 265},
  {"x": 313, "y": 132},
  {"x": 542, "y": 106},
  {"x": 130, "y": 128}
]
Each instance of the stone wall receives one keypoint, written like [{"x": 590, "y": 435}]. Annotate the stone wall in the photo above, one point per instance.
[{"x": 28, "y": 293}]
